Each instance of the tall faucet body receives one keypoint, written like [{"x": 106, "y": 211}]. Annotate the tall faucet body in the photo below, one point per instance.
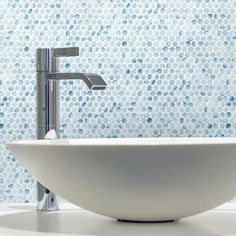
[{"x": 48, "y": 76}]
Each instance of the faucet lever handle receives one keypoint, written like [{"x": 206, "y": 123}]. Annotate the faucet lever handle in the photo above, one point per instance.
[{"x": 65, "y": 52}]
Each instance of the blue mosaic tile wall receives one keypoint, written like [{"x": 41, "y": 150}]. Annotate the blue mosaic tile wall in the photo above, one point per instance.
[{"x": 169, "y": 64}]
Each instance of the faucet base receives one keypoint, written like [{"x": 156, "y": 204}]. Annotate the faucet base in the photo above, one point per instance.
[{"x": 47, "y": 200}]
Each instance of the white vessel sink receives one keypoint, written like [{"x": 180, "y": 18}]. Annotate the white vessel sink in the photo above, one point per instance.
[{"x": 135, "y": 179}]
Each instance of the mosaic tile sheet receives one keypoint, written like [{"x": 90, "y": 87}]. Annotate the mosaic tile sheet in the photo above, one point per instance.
[{"x": 169, "y": 65}]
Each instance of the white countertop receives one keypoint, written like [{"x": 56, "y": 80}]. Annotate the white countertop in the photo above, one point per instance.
[{"x": 23, "y": 219}]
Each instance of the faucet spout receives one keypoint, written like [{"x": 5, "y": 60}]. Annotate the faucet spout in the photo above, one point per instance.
[{"x": 92, "y": 80}]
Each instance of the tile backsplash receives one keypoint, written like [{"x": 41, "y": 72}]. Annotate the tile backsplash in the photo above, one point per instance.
[{"x": 169, "y": 65}]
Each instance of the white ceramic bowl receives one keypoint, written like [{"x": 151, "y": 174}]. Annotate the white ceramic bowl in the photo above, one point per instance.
[{"x": 135, "y": 179}]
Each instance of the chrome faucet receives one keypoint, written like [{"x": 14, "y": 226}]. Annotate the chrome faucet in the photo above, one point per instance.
[{"x": 48, "y": 76}]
